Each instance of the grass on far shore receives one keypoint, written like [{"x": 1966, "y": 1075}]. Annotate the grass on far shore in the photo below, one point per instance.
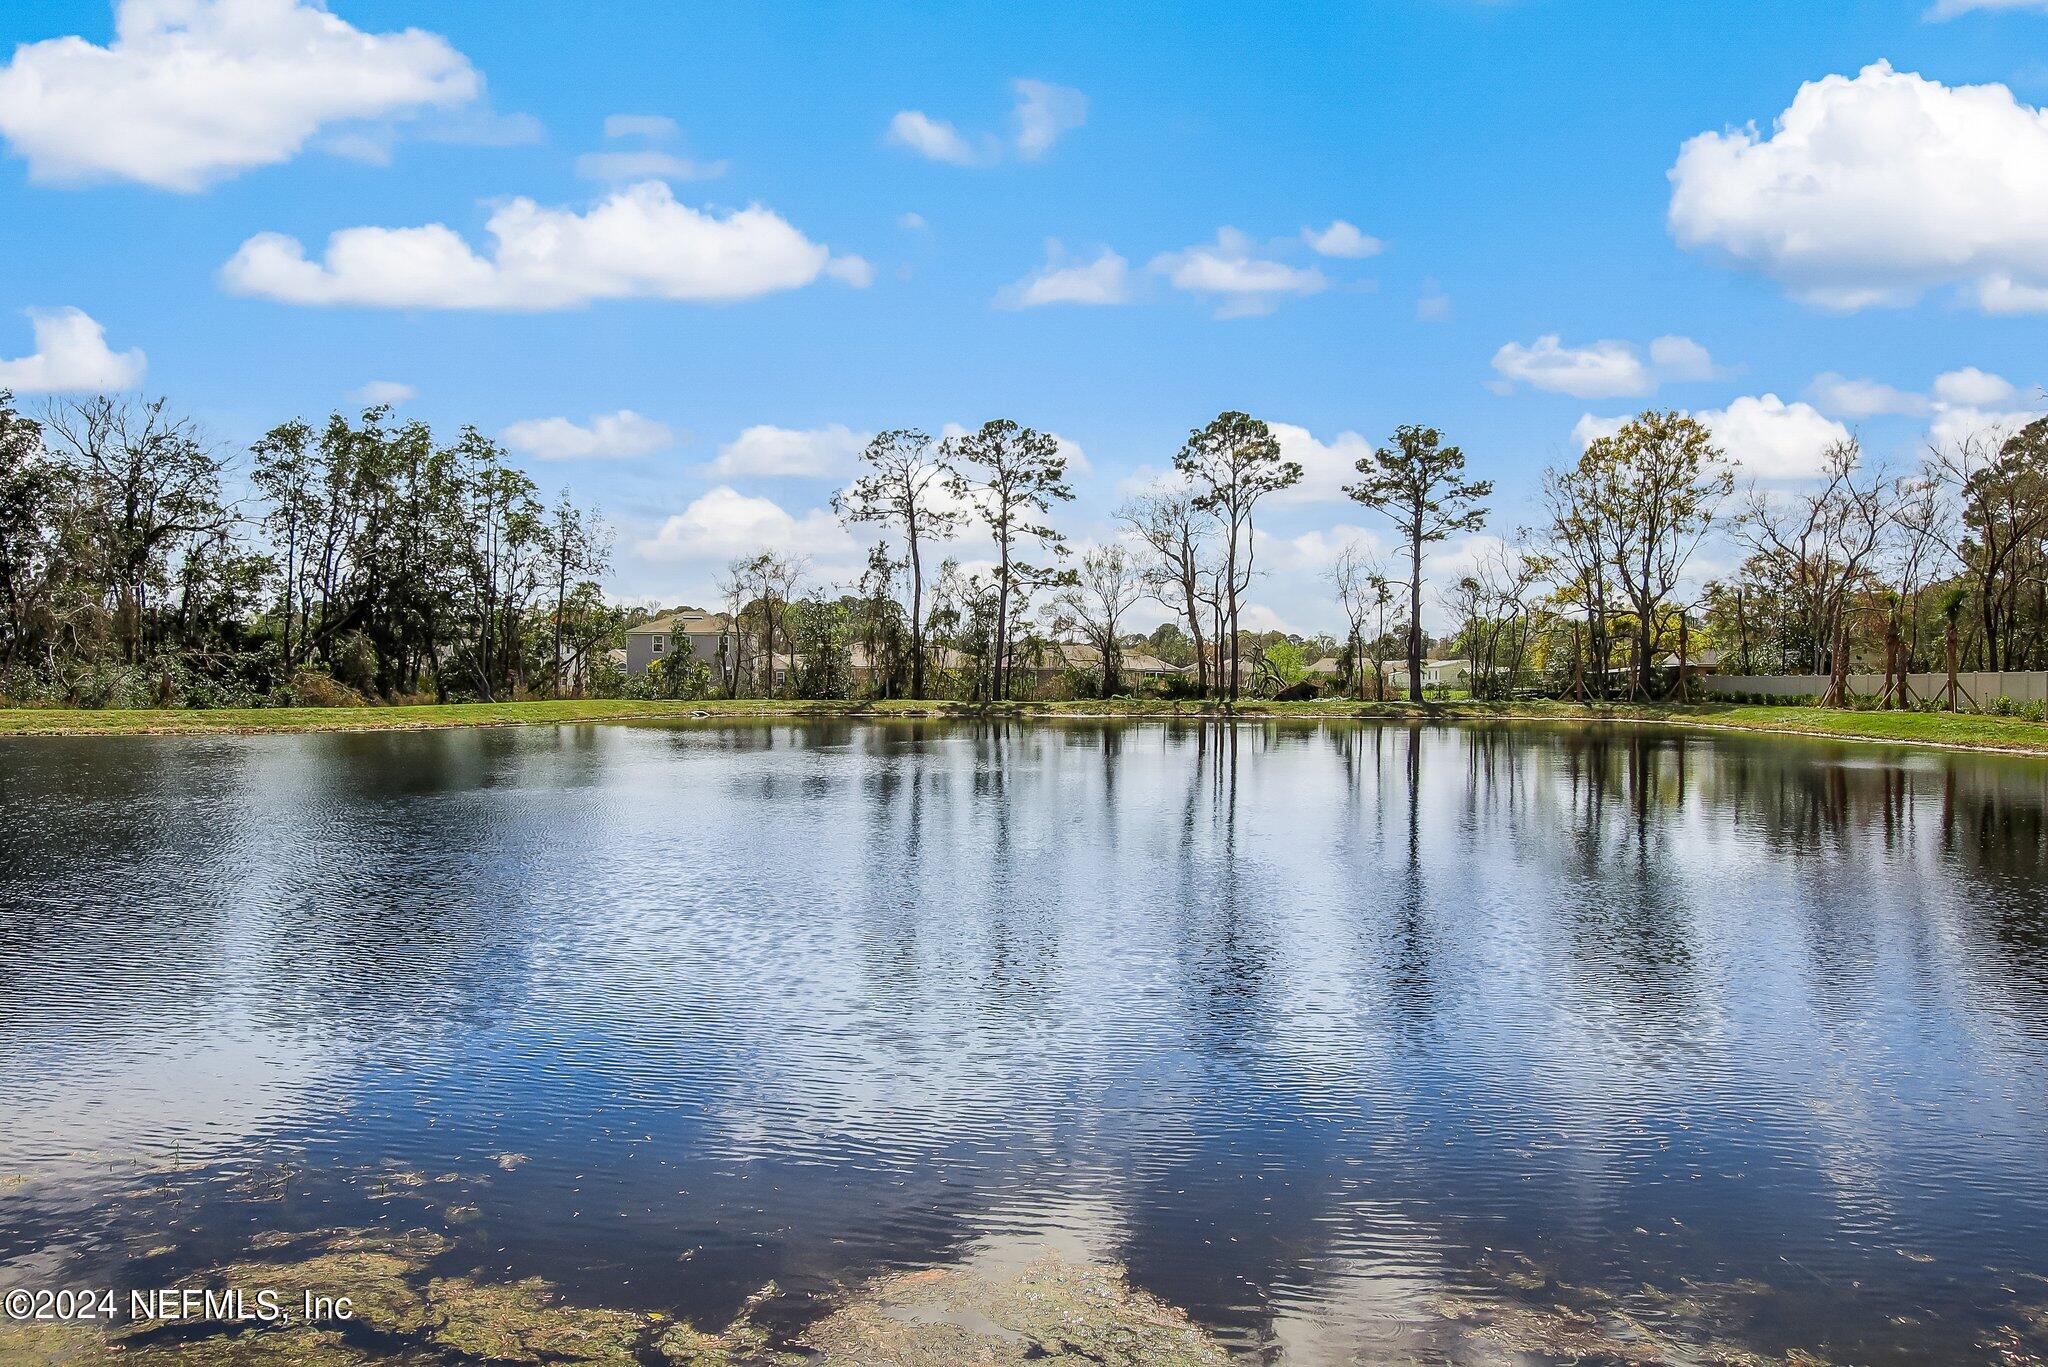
[{"x": 1955, "y": 729}]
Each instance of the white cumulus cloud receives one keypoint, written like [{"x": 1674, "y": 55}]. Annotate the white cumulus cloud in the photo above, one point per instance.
[
  {"x": 1326, "y": 466},
  {"x": 1342, "y": 239},
  {"x": 1602, "y": 370},
  {"x": 818, "y": 452},
  {"x": 71, "y": 355},
  {"x": 1765, "y": 437},
  {"x": 1105, "y": 280},
  {"x": 639, "y": 242},
  {"x": 1772, "y": 439},
  {"x": 1605, "y": 369},
  {"x": 724, "y": 523},
  {"x": 607, "y": 436},
  {"x": 1973, "y": 388},
  {"x": 192, "y": 92},
  {"x": 1873, "y": 189},
  {"x": 1231, "y": 269},
  {"x": 1590, "y": 428}
]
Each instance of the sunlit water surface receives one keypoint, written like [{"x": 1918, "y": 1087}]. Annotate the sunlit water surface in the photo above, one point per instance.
[{"x": 1316, "y": 1029}]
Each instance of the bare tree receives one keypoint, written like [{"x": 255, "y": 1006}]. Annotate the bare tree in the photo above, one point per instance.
[
  {"x": 1820, "y": 545},
  {"x": 1107, "y": 586},
  {"x": 151, "y": 483},
  {"x": 1363, "y": 590},
  {"x": 1177, "y": 534}
]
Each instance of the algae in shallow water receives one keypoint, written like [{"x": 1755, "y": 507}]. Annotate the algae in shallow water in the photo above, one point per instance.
[
  {"x": 1048, "y": 1312},
  {"x": 523, "y": 1322}
]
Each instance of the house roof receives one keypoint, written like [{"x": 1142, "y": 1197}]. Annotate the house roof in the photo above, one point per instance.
[
  {"x": 688, "y": 622},
  {"x": 1326, "y": 665}
]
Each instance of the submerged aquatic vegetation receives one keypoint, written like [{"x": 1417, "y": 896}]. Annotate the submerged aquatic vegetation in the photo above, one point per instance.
[
  {"x": 1049, "y": 1312},
  {"x": 524, "y": 1322}
]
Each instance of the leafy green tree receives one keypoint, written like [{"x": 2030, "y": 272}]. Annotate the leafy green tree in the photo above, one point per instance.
[
  {"x": 902, "y": 489},
  {"x": 1650, "y": 492},
  {"x": 1233, "y": 463},
  {"x": 1420, "y": 484},
  {"x": 31, "y": 490},
  {"x": 1010, "y": 476}
]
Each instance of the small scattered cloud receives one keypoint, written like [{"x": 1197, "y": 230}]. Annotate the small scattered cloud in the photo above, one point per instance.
[
  {"x": 1949, "y": 9},
  {"x": 652, "y": 127},
  {"x": 1104, "y": 280},
  {"x": 1042, "y": 114},
  {"x": 912, "y": 223},
  {"x": 1857, "y": 398},
  {"x": 1606, "y": 369},
  {"x": 936, "y": 140},
  {"x": 808, "y": 453},
  {"x": 607, "y": 436},
  {"x": 638, "y": 242},
  {"x": 1230, "y": 269},
  {"x": 1433, "y": 305},
  {"x": 71, "y": 356},
  {"x": 194, "y": 92},
  {"x": 646, "y": 163},
  {"x": 383, "y": 394},
  {"x": 479, "y": 126},
  {"x": 1343, "y": 240},
  {"x": 655, "y": 160},
  {"x": 856, "y": 271}
]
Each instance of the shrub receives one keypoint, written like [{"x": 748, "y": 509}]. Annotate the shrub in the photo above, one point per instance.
[
  {"x": 318, "y": 688},
  {"x": 2002, "y": 706}
]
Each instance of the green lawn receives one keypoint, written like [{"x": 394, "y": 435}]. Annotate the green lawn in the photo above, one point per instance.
[{"x": 1927, "y": 728}]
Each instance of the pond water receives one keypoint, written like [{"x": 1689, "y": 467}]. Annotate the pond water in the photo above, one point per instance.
[{"x": 1353, "y": 1042}]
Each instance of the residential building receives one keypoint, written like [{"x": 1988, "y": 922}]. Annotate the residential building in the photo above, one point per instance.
[{"x": 697, "y": 634}]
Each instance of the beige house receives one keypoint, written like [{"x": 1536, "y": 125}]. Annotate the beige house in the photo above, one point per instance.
[
  {"x": 697, "y": 634},
  {"x": 1136, "y": 664},
  {"x": 1435, "y": 674}
]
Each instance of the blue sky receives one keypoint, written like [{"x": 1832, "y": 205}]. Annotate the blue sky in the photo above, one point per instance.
[{"x": 1510, "y": 161}]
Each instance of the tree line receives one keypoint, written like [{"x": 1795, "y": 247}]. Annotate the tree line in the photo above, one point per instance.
[
  {"x": 367, "y": 558},
  {"x": 364, "y": 559}
]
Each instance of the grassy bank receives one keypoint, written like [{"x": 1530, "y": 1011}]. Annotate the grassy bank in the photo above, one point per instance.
[{"x": 1920, "y": 728}]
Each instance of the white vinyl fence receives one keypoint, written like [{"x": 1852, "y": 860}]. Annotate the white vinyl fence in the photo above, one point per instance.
[{"x": 1975, "y": 690}]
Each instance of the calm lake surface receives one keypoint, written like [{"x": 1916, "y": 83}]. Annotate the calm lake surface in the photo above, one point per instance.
[{"x": 1346, "y": 1039}]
